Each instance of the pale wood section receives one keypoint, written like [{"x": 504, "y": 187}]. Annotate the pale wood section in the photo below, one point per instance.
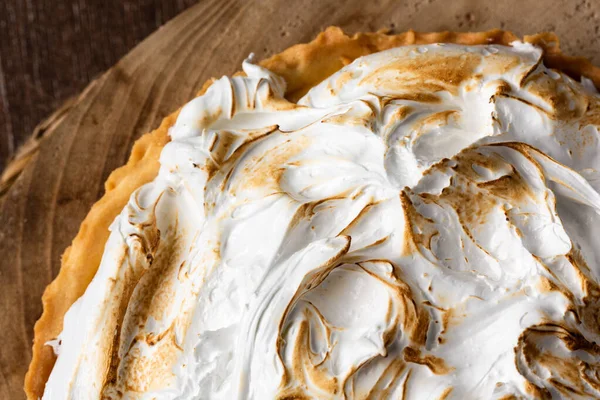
[{"x": 41, "y": 212}]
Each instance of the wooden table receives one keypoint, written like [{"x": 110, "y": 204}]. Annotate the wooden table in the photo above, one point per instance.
[
  {"x": 68, "y": 42},
  {"x": 51, "y": 49}
]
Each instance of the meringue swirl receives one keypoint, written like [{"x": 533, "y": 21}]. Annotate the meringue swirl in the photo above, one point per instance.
[{"x": 421, "y": 225}]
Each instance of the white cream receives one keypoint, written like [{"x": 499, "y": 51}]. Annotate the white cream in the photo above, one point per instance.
[{"x": 417, "y": 227}]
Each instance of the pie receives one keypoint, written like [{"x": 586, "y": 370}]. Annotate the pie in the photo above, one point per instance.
[{"x": 376, "y": 216}]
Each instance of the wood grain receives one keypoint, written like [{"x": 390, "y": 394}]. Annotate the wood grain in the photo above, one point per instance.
[
  {"x": 42, "y": 211},
  {"x": 51, "y": 49}
]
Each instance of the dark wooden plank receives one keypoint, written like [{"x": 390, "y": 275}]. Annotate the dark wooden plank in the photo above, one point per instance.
[
  {"x": 51, "y": 49},
  {"x": 41, "y": 212}
]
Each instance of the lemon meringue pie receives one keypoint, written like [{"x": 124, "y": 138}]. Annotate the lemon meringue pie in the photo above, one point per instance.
[{"x": 421, "y": 223}]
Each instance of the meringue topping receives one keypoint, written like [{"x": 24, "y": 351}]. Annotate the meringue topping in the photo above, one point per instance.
[{"x": 422, "y": 224}]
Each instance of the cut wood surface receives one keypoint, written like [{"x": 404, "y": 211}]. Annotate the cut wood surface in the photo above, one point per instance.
[{"x": 77, "y": 148}]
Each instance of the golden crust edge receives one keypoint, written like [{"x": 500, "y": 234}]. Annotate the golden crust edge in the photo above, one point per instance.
[{"x": 302, "y": 66}]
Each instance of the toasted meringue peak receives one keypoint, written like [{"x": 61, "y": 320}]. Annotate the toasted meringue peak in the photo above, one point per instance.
[{"x": 422, "y": 225}]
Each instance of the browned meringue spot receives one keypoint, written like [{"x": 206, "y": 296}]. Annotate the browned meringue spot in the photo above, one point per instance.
[
  {"x": 404, "y": 384},
  {"x": 451, "y": 317},
  {"x": 152, "y": 296},
  {"x": 226, "y": 139},
  {"x": 500, "y": 64},
  {"x": 139, "y": 373},
  {"x": 465, "y": 161},
  {"x": 307, "y": 369},
  {"x": 437, "y": 365},
  {"x": 430, "y": 98},
  {"x": 419, "y": 230},
  {"x": 153, "y": 291},
  {"x": 274, "y": 102},
  {"x": 545, "y": 285},
  {"x": 510, "y": 396},
  {"x": 441, "y": 118},
  {"x": 304, "y": 212},
  {"x": 473, "y": 84},
  {"x": 446, "y": 393},
  {"x": 551, "y": 283},
  {"x": 569, "y": 375},
  {"x": 222, "y": 144},
  {"x": 398, "y": 114},
  {"x": 145, "y": 245},
  {"x": 580, "y": 142},
  {"x": 426, "y": 74},
  {"x": 224, "y": 168},
  {"x": 304, "y": 369},
  {"x": 110, "y": 338},
  {"x": 565, "y": 101},
  {"x": 472, "y": 206},
  {"x": 527, "y": 75},
  {"x": 413, "y": 320},
  {"x": 307, "y": 210},
  {"x": 293, "y": 394},
  {"x": 536, "y": 392},
  {"x": 266, "y": 170},
  {"x": 516, "y": 98},
  {"x": 344, "y": 78},
  {"x": 358, "y": 217},
  {"x": 587, "y": 311},
  {"x": 418, "y": 335},
  {"x": 592, "y": 113},
  {"x": 148, "y": 240},
  {"x": 474, "y": 198},
  {"x": 508, "y": 187},
  {"x": 401, "y": 113},
  {"x": 384, "y": 385},
  {"x": 364, "y": 120},
  {"x": 209, "y": 117},
  {"x": 502, "y": 87}
]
